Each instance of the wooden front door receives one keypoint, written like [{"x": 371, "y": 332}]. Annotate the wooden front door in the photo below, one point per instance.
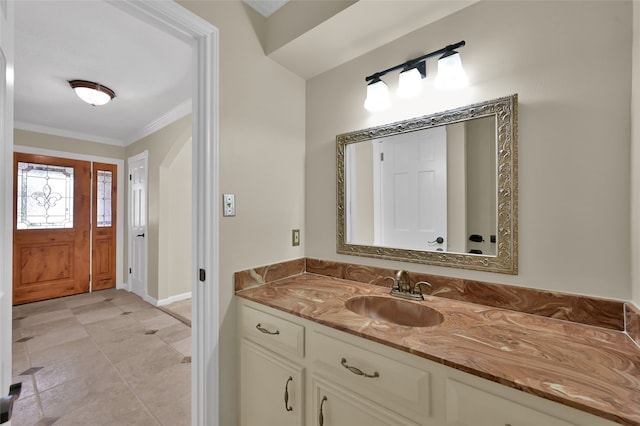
[
  {"x": 103, "y": 229},
  {"x": 51, "y": 237}
]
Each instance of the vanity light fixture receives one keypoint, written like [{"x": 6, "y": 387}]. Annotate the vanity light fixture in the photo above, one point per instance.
[
  {"x": 450, "y": 75},
  {"x": 92, "y": 93}
]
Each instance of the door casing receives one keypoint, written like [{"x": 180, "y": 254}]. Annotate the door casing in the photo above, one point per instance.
[{"x": 203, "y": 36}]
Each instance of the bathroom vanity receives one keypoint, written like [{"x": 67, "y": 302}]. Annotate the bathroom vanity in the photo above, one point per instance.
[{"x": 305, "y": 359}]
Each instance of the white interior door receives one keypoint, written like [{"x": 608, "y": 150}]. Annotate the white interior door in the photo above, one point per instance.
[
  {"x": 6, "y": 192},
  {"x": 138, "y": 224},
  {"x": 414, "y": 190}
]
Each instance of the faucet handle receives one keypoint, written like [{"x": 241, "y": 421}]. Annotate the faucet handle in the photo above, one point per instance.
[
  {"x": 395, "y": 285},
  {"x": 416, "y": 288}
]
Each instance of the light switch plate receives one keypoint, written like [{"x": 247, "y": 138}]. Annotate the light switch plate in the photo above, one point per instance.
[{"x": 228, "y": 205}]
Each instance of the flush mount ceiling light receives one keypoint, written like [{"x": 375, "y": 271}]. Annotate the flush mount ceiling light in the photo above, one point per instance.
[
  {"x": 92, "y": 93},
  {"x": 450, "y": 75}
]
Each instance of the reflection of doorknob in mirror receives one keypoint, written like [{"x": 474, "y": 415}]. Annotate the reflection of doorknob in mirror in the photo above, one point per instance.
[
  {"x": 476, "y": 238},
  {"x": 438, "y": 240},
  {"x": 6, "y": 403},
  {"x": 140, "y": 235}
]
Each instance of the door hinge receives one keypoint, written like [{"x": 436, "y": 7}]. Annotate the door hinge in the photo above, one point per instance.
[
  {"x": 382, "y": 156},
  {"x": 130, "y": 177},
  {"x": 203, "y": 275},
  {"x": 129, "y": 270}
]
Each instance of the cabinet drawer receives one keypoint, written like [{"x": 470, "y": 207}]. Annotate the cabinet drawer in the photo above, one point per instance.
[
  {"x": 272, "y": 331},
  {"x": 334, "y": 406},
  {"x": 469, "y": 406},
  {"x": 392, "y": 384}
]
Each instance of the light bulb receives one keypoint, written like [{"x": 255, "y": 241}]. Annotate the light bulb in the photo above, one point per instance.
[
  {"x": 409, "y": 83},
  {"x": 451, "y": 75},
  {"x": 377, "y": 96}
]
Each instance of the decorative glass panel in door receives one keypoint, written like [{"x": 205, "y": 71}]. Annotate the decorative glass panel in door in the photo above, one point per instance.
[{"x": 45, "y": 196}]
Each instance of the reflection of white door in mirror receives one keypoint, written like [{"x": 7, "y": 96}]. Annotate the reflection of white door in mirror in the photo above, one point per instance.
[{"x": 412, "y": 195}]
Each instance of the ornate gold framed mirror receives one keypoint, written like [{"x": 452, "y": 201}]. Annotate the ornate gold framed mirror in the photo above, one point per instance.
[{"x": 440, "y": 189}]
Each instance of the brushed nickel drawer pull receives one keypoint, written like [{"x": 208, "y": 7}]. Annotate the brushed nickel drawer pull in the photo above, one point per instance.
[
  {"x": 357, "y": 371},
  {"x": 286, "y": 395},
  {"x": 265, "y": 331},
  {"x": 321, "y": 416}
]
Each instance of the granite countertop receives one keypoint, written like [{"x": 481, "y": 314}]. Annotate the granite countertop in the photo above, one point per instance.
[{"x": 593, "y": 369}]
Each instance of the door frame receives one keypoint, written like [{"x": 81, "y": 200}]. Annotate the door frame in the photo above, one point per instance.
[
  {"x": 203, "y": 37},
  {"x": 119, "y": 197},
  {"x": 144, "y": 155},
  {"x": 6, "y": 194}
]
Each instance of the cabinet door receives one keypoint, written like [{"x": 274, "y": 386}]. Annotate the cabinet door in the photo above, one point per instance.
[
  {"x": 469, "y": 406},
  {"x": 335, "y": 406},
  {"x": 271, "y": 388}
]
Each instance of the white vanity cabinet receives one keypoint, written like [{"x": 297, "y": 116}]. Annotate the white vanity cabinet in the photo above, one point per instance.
[
  {"x": 271, "y": 373},
  {"x": 332, "y": 378}
]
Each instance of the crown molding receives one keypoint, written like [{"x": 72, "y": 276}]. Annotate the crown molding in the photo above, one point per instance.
[
  {"x": 181, "y": 110},
  {"x": 22, "y": 125},
  {"x": 166, "y": 119}
]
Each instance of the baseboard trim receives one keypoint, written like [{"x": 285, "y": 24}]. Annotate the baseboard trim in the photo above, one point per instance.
[{"x": 167, "y": 301}]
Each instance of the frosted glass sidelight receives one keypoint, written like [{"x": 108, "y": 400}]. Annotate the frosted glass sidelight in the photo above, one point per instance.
[
  {"x": 104, "y": 194},
  {"x": 45, "y": 196}
]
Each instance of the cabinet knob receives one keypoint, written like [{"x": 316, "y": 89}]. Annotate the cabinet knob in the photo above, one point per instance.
[{"x": 286, "y": 395}]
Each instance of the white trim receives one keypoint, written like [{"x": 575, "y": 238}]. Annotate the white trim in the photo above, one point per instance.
[
  {"x": 120, "y": 197},
  {"x": 144, "y": 154},
  {"x": 166, "y": 301},
  {"x": 170, "y": 16},
  {"x": 6, "y": 190},
  {"x": 66, "y": 133},
  {"x": 163, "y": 121},
  {"x": 151, "y": 300}
]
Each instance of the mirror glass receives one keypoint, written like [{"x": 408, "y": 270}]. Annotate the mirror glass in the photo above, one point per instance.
[{"x": 439, "y": 189}]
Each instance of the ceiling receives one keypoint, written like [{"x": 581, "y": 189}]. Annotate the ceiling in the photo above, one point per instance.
[
  {"x": 151, "y": 71},
  {"x": 57, "y": 41},
  {"x": 266, "y": 7}
]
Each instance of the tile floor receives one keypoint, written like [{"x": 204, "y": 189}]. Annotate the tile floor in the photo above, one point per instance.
[
  {"x": 180, "y": 310},
  {"x": 104, "y": 358}
]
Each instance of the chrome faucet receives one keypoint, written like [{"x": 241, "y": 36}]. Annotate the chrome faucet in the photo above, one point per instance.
[{"x": 402, "y": 286}]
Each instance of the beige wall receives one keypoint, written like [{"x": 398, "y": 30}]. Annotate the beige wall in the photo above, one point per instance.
[
  {"x": 174, "y": 233},
  {"x": 570, "y": 64},
  {"x": 160, "y": 145},
  {"x": 262, "y": 156},
  {"x": 63, "y": 144},
  {"x": 635, "y": 159}
]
